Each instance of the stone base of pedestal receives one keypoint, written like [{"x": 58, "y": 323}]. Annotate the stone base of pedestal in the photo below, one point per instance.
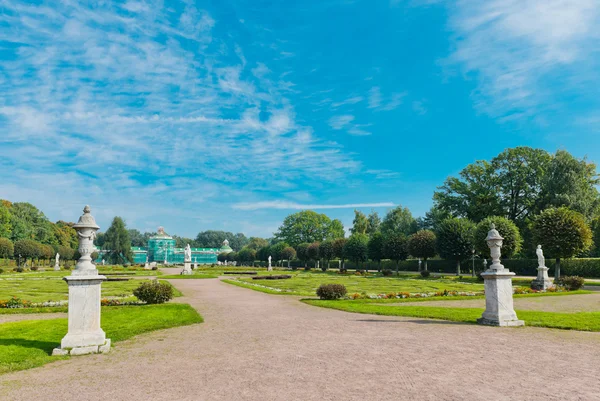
[
  {"x": 542, "y": 281},
  {"x": 499, "y": 310},
  {"x": 90, "y": 349},
  {"x": 56, "y": 267},
  {"x": 187, "y": 268}
]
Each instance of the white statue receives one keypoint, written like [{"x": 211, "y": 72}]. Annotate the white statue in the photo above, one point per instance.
[
  {"x": 56, "y": 262},
  {"x": 269, "y": 268},
  {"x": 540, "y": 256},
  {"x": 57, "y": 258},
  {"x": 188, "y": 253},
  {"x": 103, "y": 262}
]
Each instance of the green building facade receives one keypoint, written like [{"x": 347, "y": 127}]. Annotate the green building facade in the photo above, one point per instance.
[{"x": 161, "y": 249}]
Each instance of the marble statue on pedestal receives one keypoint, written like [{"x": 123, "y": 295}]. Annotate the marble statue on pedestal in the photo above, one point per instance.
[
  {"x": 269, "y": 268},
  {"x": 187, "y": 261},
  {"x": 542, "y": 281},
  {"x": 499, "y": 310},
  {"x": 57, "y": 262}
]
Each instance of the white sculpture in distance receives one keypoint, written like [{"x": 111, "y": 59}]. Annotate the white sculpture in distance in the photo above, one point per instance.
[
  {"x": 542, "y": 281},
  {"x": 270, "y": 268},
  {"x": 187, "y": 261},
  {"x": 57, "y": 262}
]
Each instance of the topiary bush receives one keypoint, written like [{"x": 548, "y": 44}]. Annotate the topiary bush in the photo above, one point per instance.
[
  {"x": 386, "y": 272},
  {"x": 19, "y": 269},
  {"x": 34, "y": 268},
  {"x": 154, "y": 292},
  {"x": 570, "y": 283},
  {"x": 1, "y": 271},
  {"x": 425, "y": 273},
  {"x": 331, "y": 291}
]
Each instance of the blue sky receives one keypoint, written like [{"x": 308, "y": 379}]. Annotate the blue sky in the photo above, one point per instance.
[{"x": 230, "y": 115}]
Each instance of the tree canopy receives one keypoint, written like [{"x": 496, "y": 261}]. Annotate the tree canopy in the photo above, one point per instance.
[
  {"x": 360, "y": 224},
  {"x": 400, "y": 221},
  {"x": 214, "y": 239},
  {"x": 308, "y": 226},
  {"x": 508, "y": 230},
  {"x": 455, "y": 240},
  {"x": 422, "y": 245},
  {"x": 117, "y": 243}
]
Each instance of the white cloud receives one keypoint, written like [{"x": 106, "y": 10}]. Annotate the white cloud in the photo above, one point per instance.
[
  {"x": 515, "y": 49},
  {"x": 299, "y": 206},
  {"x": 341, "y": 121},
  {"x": 374, "y": 97}
]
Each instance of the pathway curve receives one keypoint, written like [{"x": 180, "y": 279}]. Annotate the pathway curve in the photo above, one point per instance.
[{"x": 255, "y": 346}]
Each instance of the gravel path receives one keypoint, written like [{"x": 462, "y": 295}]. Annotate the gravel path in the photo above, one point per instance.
[
  {"x": 255, "y": 346},
  {"x": 30, "y": 316},
  {"x": 567, "y": 303}
]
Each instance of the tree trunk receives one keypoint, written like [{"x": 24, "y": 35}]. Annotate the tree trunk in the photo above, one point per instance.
[
  {"x": 425, "y": 264},
  {"x": 557, "y": 269},
  {"x": 379, "y": 266},
  {"x": 397, "y": 268},
  {"x": 458, "y": 267}
]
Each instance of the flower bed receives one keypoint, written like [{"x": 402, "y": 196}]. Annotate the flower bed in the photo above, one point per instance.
[{"x": 17, "y": 303}]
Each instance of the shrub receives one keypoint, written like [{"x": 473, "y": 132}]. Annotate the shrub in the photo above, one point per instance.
[
  {"x": 18, "y": 269},
  {"x": 14, "y": 303},
  {"x": 156, "y": 267},
  {"x": 425, "y": 273},
  {"x": 386, "y": 272},
  {"x": 67, "y": 267},
  {"x": 1, "y": 271},
  {"x": 154, "y": 292},
  {"x": 34, "y": 268},
  {"x": 570, "y": 283},
  {"x": 331, "y": 291}
]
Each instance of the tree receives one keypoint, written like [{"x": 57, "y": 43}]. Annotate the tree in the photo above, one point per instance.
[
  {"x": 138, "y": 239},
  {"x": 563, "y": 233},
  {"x": 65, "y": 234},
  {"x": 375, "y": 248},
  {"x": 455, "y": 240},
  {"x": 232, "y": 257},
  {"x": 214, "y": 239},
  {"x": 30, "y": 223},
  {"x": 65, "y": 252},
  {"x": 256, "y": 243},
  {"x": 302, "y": 252},
  {"x": 46, "y": 252},
  {"x": 395, "y": 248},
  {"x": 180, "y": 242},
  {"x": 222, "y": 257},
  {"x": 374, "y": 223},
  {"x": 360, "y": 224},
  {"x": 422, "y": 245},
  {"x": 327, "y": 252},
  {"x": 356, "y": 248},
  {"x": 117, "y": 243},
  {"x": 511, "y": 244},
  {"x": 247, "y": 255},
  {"x": 277, "y": 249},
  {"x": 288, "y": 253},
  {"x": 432, "y": 219},
  {"x": 398, "y": 220},
  {"x": 313, "y": 252},
  {"x": 339, "y": 250},
  {"x": 7, "y": 248},
  {"x": 27, "y": 249},
  {"x": 5, "y": 223},
  {"x": 263, "y": 253},
  {"x": 308, "y": 226}
]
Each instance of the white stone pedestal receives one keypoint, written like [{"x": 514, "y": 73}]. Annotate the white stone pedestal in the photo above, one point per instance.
[
  {"x": 542, "y": 282},
  {"x": 56, "y": 267},
  {"x": 499, "y": 310},
  {"x": 85, "y": 335},
  {"x": 187, "y": 268}
]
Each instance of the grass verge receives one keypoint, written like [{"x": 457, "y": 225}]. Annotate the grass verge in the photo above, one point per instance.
[
  {"x": 260, "y": 289},
  {"x": 28, "y": 344},
  {"x": 584, "y": 321}
]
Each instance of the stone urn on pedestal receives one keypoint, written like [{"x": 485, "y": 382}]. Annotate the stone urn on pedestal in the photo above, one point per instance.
[
  {"x": 84, "y": 335},
  {"x": 499, "y": 310}
]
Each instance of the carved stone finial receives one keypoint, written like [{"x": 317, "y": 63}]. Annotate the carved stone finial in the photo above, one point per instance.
[{"x": 87, "y": 209}]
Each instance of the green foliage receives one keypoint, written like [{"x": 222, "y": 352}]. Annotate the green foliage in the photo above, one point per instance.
[
  {"x": 570, "y": 283},
  {"x": 455, "y": 240},
  {"x": 277, "y": 249},
  {"x": 256, "y": 243},
  {"x": 313, "y": 251},
  {"x": 214, "y": 239},
  {"x": 30, "y": 223},
  {"x": 5, "y": 220},
  {"x": 339, "y": 246},
  {"x": 357, "y": 248},
  {"x": 308, "y": 226},
  {"x": 395, "y": 247},
  {"x": 374, "y": 223},
  {"x": 288, "y": 253},
  {"x": 27, "y": 248},
  {"x": 399, "y": 220},
  {"x": 117, "y": 243},
  {"x": 66, "y": 253},
  {"x": 563, "y": 233},
  {"x": 154, "y": 292},
  {"x": 247, "y": 255},
  {"x": 360, "y": 224},
  {"x": 376, "y": 247},
  {"x": 422, "y": 244},
  {"x": 232, "y": 256},
  {"x": 327, "y": 250},
  {"x": 425, "y": 273},
  {"x": 6, "y": 248},
  {"x": 222, "y": 257},
  {"x": 331, "y": 291},
  {"x": 507, "y": 229},
  {"x": 302, "y": 252}
]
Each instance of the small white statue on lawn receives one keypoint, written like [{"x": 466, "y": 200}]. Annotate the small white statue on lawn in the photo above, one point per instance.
[
  {"x": 188, "y": 253},
  {"x": 57, "y": 262},
  {"x": 540, "y": 256},
  {"x": 269, "y": 268}
]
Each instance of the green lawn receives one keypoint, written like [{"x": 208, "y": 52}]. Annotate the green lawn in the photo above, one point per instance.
[
  {"x": 306, "y": 283},
  {"x": 37, "y": 289},
  {"x": 586, "y": 321},
  {"x": 28, "y": 344}
]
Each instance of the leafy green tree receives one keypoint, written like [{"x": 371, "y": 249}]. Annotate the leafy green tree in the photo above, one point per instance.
[
  {"x": 214, "y": 239},
  {"x": 27, "y": 249},
  {"x": 339, "y": 250},
  {"x": 7, "y": 248},
  {"x": 232, "y": 257},
  {"x": 138, "y": 239},
  {"x": 360, "y": 224},
  {"x": 571, "y": 182},
  {"x": 247, "y": 255},
  {"x": 422, "y": 245},
  {"x": 302, "y": 252},
  {"x": 432, "y": 218},
  {"x": 595, "y": 227},
  {"x": 277, "y": 249},
  {"x": 28, "y": 222},
  {"x": 313, "y": 252},
  {"x": 376, "y": 248},
  {"x": 117, "y": 243},
  {"x": 5, "y": 223},
  {"x": 398, "y": 220},
  {"x": 511, "y": 244},
  {"x": 65, "y": 252},
  {"x": 395, "y": 247},
  {"x": 327, "y": 252},
  {"x": 455, "y": 240},
  {"x": 222, "y": 257},
  {"x": 357, "y": 248},
  {"x": 288, "y": 253},
  {"x": 46, "y": 252},
  {"x": 374, "y": 223},
  {"x": 563, "y": 233},
  {"x": 263, "y": 253},
  {"x": 180, "y": 242},
  {"x": 65, "y": 234},
  {"x": 308, "y": 226},
  {"x": 256, "y": 243}
]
